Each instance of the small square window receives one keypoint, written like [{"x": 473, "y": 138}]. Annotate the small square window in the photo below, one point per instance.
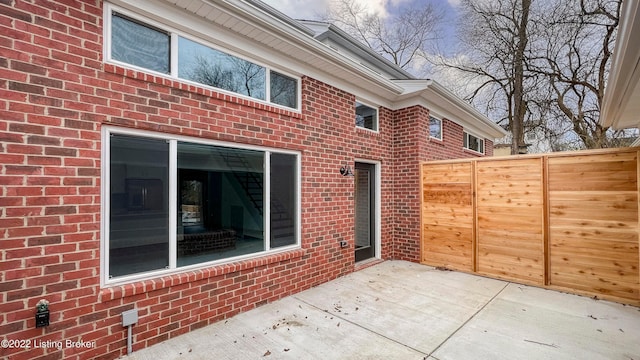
[
  {"x": 366, "y": 116},
  {"x": 435, "y": 128},
  {"x": 284, "y": 90},
  {"x": 473, "y": 143}
]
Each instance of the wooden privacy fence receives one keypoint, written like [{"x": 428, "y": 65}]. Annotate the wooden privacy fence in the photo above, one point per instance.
[{"x": 565, "y": 221}]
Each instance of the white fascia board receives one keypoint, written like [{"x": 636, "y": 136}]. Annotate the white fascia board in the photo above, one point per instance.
[
  {"x": 442, "y": 103},
  {"x": 299, "y": 44},
  {"x": 345, "y": 41},
  {"x": 623, "y": 88}
]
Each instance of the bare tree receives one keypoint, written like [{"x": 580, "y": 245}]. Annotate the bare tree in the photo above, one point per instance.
[
  {"x": 401, "y": 38},
  {"x": 494, "y": 36},
  {"x": 229, "y": 73},
  {"x": 539, "y": 67},
  {"x": 574, "y": 55},
  {"x": 542, "y": 67}
]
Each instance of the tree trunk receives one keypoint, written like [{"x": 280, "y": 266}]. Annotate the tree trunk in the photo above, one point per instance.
[{"x": 519, "y": 105}]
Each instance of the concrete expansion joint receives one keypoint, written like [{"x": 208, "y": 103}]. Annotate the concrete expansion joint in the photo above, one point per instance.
[
  {"x": 469, "y": 319},
  {"x": 362, "y": 327}
]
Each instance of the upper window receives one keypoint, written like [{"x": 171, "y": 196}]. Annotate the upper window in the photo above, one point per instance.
[
  {"x": 366, "y": 116},
  {"x": 174, "y": 203},
  {"x": 208, "y": 66},
  {"x": 140, "y": 44},
  {"x": 473, "y": 143},
  {"x": 435, "y": 128}
]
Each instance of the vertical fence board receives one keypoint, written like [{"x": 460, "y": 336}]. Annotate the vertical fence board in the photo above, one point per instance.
[
  {"x": 565, "y": 221},
  {"x": 510, "y": 220},
  {"x": 447, "y": 216},
  {"x": 593, "y": 236}
]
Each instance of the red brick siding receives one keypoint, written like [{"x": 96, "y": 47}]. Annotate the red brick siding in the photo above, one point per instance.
[
  {"x": 55, "y": 94},
  {"x": 412, "y": 145}
]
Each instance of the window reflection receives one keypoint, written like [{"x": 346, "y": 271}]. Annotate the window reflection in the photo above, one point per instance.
[
  {"x": 435, "y": 128},
  {"x": 283, "y": 200},
  {"x": 366, "y": 116},
  {"x": 284, "y": 90},
  {"x": 140, "y": 45},
  {"x": 139, "y": 215},
  {"x": 221, "y": 203},
  {"x": 146, "y": 46},
  {"x": 211, "y": 67}
]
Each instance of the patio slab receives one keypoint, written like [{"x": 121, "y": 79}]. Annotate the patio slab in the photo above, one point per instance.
[{"x": 402, "y": 310}]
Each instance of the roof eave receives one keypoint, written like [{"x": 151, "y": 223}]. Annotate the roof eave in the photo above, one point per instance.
[
  {"x": 285, "y": 27},
  {"x": 446, "y": 104},
  {"x": 623, "y": 88}
]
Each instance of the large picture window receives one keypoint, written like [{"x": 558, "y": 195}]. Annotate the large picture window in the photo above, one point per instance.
[
  {"x": 135, "y": 42},
  {"x": 173, "y": 203}
]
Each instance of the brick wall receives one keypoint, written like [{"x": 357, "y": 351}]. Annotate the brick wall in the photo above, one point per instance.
[
  {"x": 412, "y": 145},
  {"x": 55, "y": 94}
]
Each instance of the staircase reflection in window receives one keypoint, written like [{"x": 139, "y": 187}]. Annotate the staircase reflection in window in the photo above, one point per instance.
[{"x": 221, "y": 193}]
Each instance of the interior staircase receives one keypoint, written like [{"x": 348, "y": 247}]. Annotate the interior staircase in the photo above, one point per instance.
[{"x": 282, "y": 223}]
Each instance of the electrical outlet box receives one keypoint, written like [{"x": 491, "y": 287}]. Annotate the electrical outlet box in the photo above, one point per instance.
[
  {"x": 129, "y": 317},
  {"x": 42, "y": 318}
]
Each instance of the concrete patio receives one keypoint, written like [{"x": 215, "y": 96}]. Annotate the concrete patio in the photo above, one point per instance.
[{"x": 402, "y": 310}]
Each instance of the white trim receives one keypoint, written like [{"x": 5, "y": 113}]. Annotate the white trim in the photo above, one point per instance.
[
  {"x": 465, "y": 134},
  {"x": 369, "y": 105},
  {"x": 266, "y": 198},
  {"x": 173, "y": 203},
  {"x": 299, "y": 199},
  {"x": 378, "y": 206},
  {"x": 441, "y": 138},
  {"x": 108, "y": 130},
  {"x": 174, "y": 35},
  {"x": 105, "y": 210},
  {"x": 446, "y": 105}
]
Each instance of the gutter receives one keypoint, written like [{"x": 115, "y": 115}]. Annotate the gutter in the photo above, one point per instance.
[
  {"x": 447, "y": 94},
  {"x": 432, "y": 94},
  {"x": 290, "y": 31},
  {"x": 342, "y": 38}
]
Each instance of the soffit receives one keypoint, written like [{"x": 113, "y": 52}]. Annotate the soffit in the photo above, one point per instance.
[
  {"x": 621, "y": 104},
  {"x": 321, "y": 62},
  {"x": 282, "y": 35},
  {"x": 444, "y": 104}
]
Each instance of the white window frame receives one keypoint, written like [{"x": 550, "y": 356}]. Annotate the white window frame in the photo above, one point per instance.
[
  {"x": 376, "y": 128},
  {"x": 431, "y": 117},
  {"x": 109, "y": 9},
  {"x": 465, "y": 143},
  {"x": 173, "y": 140}
]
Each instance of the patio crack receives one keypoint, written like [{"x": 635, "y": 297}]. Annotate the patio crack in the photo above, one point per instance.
[
  {"x": 362, "y": 327},
  {"x": 467, "y": 321}
]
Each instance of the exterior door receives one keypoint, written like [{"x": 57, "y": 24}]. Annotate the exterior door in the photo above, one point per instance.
[{"x": 365, "y": 204}]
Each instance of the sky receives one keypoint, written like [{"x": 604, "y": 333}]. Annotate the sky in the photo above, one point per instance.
[
  {"x": 312, "y": 9},
  {"x": 315, "y": 9},
  {"x": 446, "y": 45}
]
